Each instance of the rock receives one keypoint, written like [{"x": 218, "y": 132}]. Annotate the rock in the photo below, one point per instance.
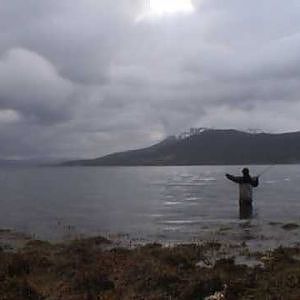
[
  {"x": 290, "y": 226},
  {"x": 216, "y": 296}
]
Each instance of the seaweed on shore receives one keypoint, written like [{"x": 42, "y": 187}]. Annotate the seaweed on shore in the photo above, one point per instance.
[{"x": 88, "y": 269}]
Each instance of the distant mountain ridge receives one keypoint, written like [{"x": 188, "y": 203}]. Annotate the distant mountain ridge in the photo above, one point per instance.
[{"x": 208, "y": 147}]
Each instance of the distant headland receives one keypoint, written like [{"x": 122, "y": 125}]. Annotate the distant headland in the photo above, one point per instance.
[{"x": 203, "y": 146}]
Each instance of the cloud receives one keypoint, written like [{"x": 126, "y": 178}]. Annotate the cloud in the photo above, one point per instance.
[
  {"x": 30, "y": 86},
  {"x": 8, "y": 116},
  {"x": 84, "y": 78}
]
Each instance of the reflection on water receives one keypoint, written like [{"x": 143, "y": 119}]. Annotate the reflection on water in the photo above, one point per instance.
[{"x": 177, "y": 203}]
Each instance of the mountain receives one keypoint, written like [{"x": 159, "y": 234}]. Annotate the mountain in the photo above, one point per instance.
[{"x": 208, "y": 147}]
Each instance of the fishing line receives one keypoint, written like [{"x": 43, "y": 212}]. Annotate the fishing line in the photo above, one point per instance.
[{"x": 265, "y": 170}]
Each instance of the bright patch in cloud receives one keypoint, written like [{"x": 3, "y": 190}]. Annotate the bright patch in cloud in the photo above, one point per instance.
[
  {"x": 159, "y": 8},
  {"x": 9, "y": 116}
]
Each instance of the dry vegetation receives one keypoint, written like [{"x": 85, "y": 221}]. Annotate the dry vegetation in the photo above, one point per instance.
[{"x": 94, "y": 269}]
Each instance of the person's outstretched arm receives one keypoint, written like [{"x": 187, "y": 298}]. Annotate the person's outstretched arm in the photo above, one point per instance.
[{"x": 233, "y": 178}]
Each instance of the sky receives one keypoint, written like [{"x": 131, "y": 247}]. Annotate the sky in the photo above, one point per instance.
[{"x": 84, "y": 78}]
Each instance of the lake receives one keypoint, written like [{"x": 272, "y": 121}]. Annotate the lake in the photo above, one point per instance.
[{"x": 148, "y": 203}]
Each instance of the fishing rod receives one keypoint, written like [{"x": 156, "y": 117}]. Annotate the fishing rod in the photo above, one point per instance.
[{"x": 265, "y": 170}]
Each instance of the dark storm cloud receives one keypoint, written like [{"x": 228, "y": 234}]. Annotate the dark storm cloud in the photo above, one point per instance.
[{"x": 84, "y": 78}]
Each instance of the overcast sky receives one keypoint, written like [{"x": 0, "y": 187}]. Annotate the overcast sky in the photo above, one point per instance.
[{"x": 88, "y": 77}]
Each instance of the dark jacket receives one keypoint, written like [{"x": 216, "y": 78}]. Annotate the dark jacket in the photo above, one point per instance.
[{"x": 244, "y": 179}]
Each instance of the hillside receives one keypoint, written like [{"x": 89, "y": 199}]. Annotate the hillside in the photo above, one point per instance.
[{"x": 208, "y": 147}]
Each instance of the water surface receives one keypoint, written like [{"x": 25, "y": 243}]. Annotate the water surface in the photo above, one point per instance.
[{"x": 170, "y": 203}]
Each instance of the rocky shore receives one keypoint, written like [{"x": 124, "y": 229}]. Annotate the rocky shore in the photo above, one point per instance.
[{"x": 97, "y": 268}]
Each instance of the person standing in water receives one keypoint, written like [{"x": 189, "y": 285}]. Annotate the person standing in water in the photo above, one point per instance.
[{"x": 246, "y": 184}]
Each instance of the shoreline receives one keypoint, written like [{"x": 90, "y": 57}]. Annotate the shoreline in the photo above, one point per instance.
[
  {"x": 258, "y": 235},
  {"x": 98, "y": 268}
]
